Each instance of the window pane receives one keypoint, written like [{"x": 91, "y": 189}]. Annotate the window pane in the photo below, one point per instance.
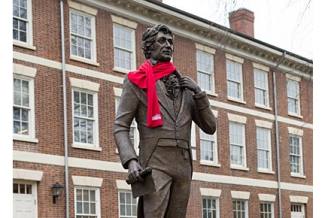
[{"x": 15, "y": 188}]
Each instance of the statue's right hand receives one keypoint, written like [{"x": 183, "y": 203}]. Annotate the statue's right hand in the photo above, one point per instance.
[{"x": 134, "y": 172}]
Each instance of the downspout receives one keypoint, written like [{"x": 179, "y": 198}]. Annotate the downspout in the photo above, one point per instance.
[
  {"x": 66, "y": 168},
  {"x": 277, "y": 133}
]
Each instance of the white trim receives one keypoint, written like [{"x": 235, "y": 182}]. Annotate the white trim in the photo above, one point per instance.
[
  {"x": 240, "y": 195},
  {"x": 32, "y": 175},
  {"x": 24, "y": 70},
  {"x": 84, "y": 60},
  {"x": 215, "y": 112},
  {"x": 86, "y": 147},
  {"x": 193, "y": 137},
  {"x": 83, "y": 8},
  {"x": 205, "y": 48},
  {"x": 124, "y": 22},
  {"x": 237, "y": 118},
  {"x": 292, "y": 77},
  {"x": 84, "y": 84},
  {"x": 298, "y": 199},
  {"x": 209, "y": 192},
  {"x": 122, "y": 185},
  {"x": 294, "y": 131},
  {"x": 31, "y": 157},
  {"x": 24, "y": 45},
  {"x": 234, "y": 58},
  {"x": 119, "y": 80},
  {"x": 261, "y": 67},
  {"x": 87, "y": 181},
  {"x": 266, "y": 197},
  {"x": 117, "y": 92},
  {"x": 263, "y": 124}
]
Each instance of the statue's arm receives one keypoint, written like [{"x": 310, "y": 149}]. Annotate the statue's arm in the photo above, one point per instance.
[
  {"x": 201, "y": 110},
  {"x": 124, "y": 116}
]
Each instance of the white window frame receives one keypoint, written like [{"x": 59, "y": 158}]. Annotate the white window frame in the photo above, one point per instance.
[
  {"x": 212, "y": 139},
  {"x": 132, "y": 199},
  {"x": 134, "y": 125},
  {"x": 91, "y": 88},
  {"x": 267, "y": 140},
  {"x": 242, "y": 197},
  {"x": 233, "y": 60},
  {"x": 239, "y": 121},
  {"x": 28, "y": 74},
  {"x": 130, "y": 26},
  {"x": 296, "y": 82},
  {"x": 96, "y": 201},
  {"x": 264, "y": 89},
  {"x": 267, "y": 199},
  {"x": 265, "y": 126},
  {"x": 92, "y": 39},
  {"x": 29, "y": 29},
  {"x": 193, "y": 140},
  {"x": 245, "y": 209},
  {"x": 265, "y": 213},
  {"x": 210, "y": 73},
  {"x": 300, "y": 156},
  {"x": 211, "y": 194}
]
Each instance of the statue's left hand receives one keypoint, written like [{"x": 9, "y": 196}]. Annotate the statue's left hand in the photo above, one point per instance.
[
  {"x": 134, "y": 172},
  {"x": 187, "y": 82}
]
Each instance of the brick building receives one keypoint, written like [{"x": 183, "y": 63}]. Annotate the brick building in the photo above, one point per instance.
[{"x": 66, "y": 94}]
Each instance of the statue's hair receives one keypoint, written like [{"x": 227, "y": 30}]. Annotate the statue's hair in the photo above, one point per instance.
[{"x": 149, "y": 37}]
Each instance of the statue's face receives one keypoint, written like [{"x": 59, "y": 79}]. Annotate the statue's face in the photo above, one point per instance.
[{"x": 163, "y": 48}]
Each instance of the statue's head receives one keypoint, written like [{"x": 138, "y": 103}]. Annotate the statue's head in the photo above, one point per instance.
[{"x": 157, "y": 43}]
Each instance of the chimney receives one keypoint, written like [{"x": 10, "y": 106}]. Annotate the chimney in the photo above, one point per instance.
[{"x": 242, "y": 21}]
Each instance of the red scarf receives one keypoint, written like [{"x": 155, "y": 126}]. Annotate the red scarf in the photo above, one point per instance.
[{"x": 145, "y": 78}]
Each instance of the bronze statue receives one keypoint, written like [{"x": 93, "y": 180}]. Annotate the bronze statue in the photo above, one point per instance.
[{"x": 164, "y": 104}]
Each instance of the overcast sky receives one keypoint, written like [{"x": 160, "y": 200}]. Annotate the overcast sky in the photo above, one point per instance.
[{"x": 286, "y": 24}]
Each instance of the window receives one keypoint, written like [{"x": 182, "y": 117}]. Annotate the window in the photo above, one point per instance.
[
  {"x": 239, "y": 209},
  {"x": 210, "y": 208},
  {"x": 266, "y": 210},
  {"x": 208, "y": 147},
  {"x": 87, "y": 202},
  {"x": 237, "y": 144},
  {"x": 293, "y": 97},
  {"x": 234, "y": 80},
  {"x": 124, "y": 54},
  {"x": 134, "y": 133},
  {"x": 84, "y": 117},
  {"x": 22, "y": 23},
  {"x": 205, "y": 70},
  {"x": 127, "y": 205},
  {"x": 295, "y": 155},
  {"x": 82, "y": 35},
  {"x": 23, "y": 108},
  {"x": 263, "y": 148},
  {"x": 261, "y": 88}
]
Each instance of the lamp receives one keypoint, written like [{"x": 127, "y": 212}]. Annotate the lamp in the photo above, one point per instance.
[{"x": 56, "y": 191}]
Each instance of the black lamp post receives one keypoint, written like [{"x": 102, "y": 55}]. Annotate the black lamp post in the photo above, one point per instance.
[{"x": 56, "y": 191}]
